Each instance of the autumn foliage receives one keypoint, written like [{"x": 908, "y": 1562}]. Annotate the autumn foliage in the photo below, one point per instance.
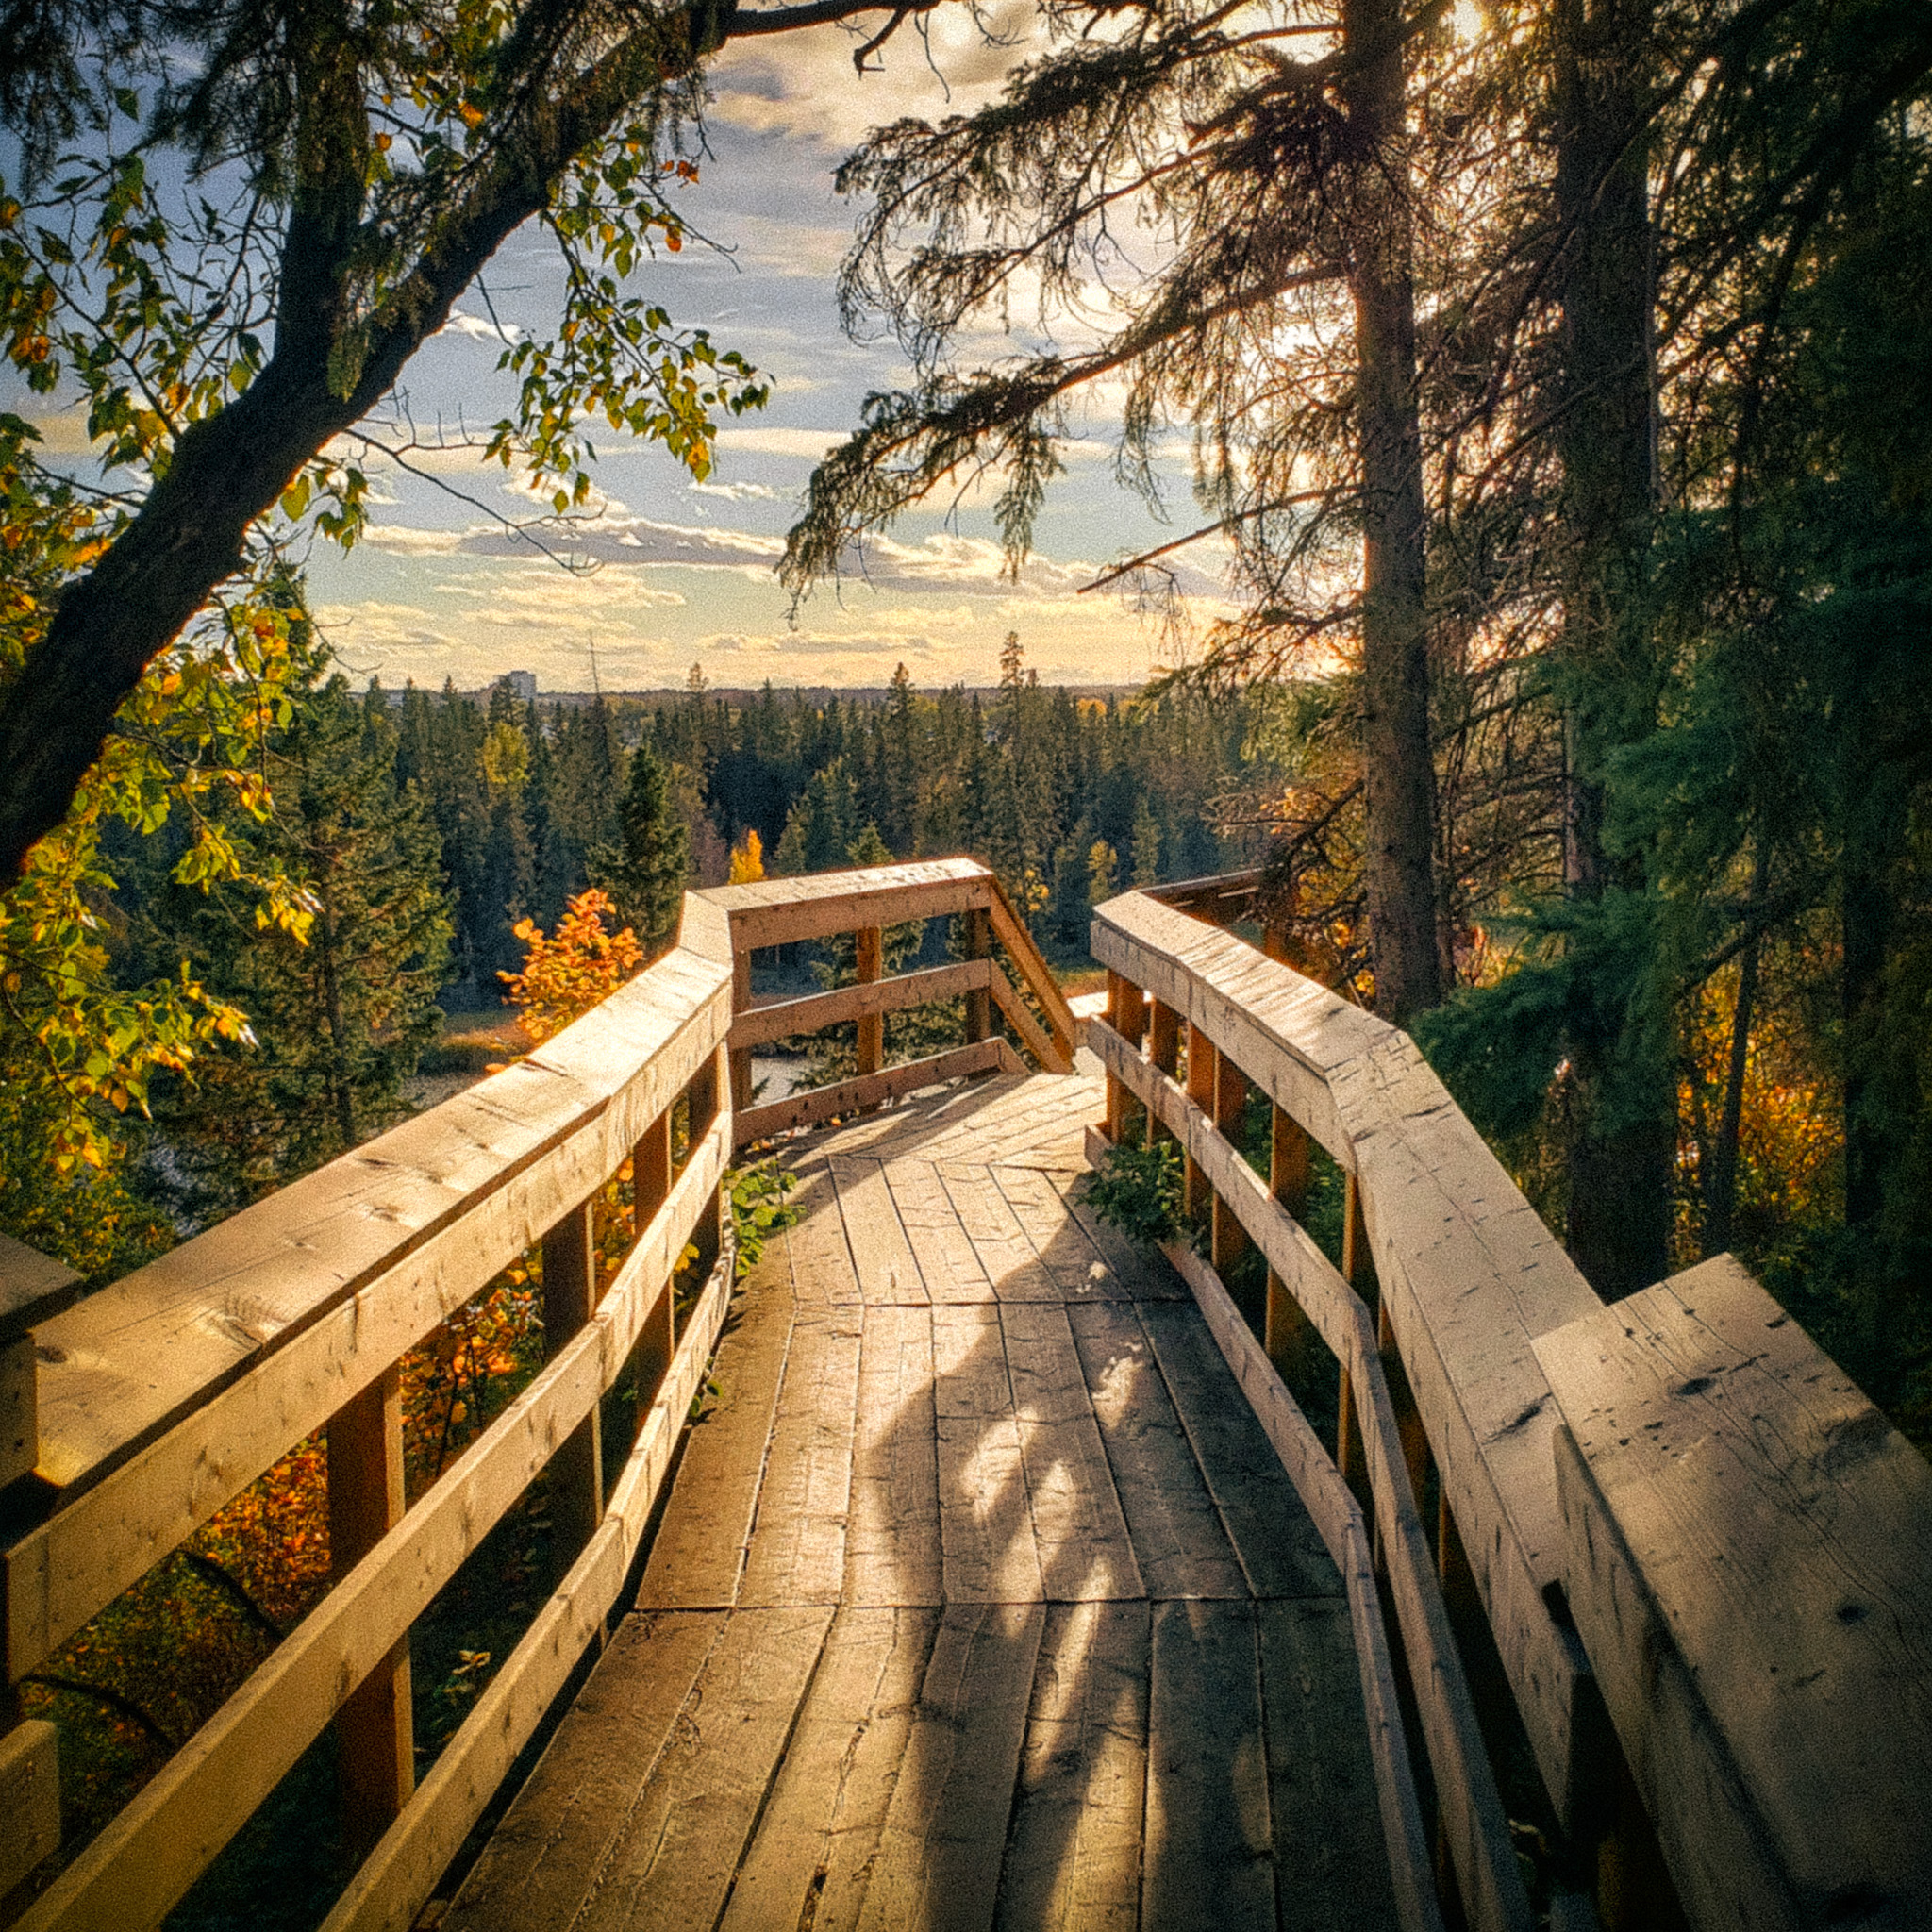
[{"x": 566, "y": 973}]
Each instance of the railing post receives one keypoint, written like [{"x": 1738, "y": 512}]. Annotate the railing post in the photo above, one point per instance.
[
  {"x": 1355, "y": 1267},
  {"x": 1127, "y": 1014},
  {"x": 1202, "y": 1059},
  {"x": 374, "y": 1728},
  {"x": 979, "y": 1001},
  {"x": 569, "y": 1298},
  {"x": 709, "y": 1232},
  {"x": 870, "y": 962},
  {"x": 1228, "y": 1239},
  {"x": 650, "y": 1172},
  {"x": 1285, "y": 1326},
  {"x": 740, "y": 1002},
  {"x": 1164, "y": 1050}
]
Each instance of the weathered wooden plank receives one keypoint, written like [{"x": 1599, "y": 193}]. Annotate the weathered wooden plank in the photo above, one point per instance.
[
  {"x": 999, "y": 1241},
  {"x": 1750, "y": 1566},
  {"x": 544, "y": 1856},
  {"x": 938, "y": 1858},
  {"x": 698, "y": 1555},
  {"x": 816, "y": 1846},
  {"x": 798, "y": 1553},
  {"x": 1331, "y": 1864},
  {"x": 986, "y": 1515},
  {"x": 801, "y": 1110},
  {"x": 671, "y": 1865},
  {"x": 949, "y": 1262},
  {"x": 1279, "y": 1546},
  {"x": 815, "y": 1246},
  {"x": 1208, "y": 1859},
  {"x": 783, "y": 1018},
  {"x": 1179, "y": 1541},
  {"x": 882, "y": 1257},
  {"x": 1074, "y": 1858},
  {"x": 1070, "y": 1258},
  {"x": 892, "y": 1552},
  {"x": 1084, "y": 1551}
]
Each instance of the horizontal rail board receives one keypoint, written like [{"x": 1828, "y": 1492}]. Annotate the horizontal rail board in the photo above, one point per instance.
[
  {"x": 784, "y": 1018},
  {"x": 137, "y": 1869},
  {"x": 776, "y": 912},
  {"x": 397, "y": 1879},
  {"x": 874, "y": 1089}
]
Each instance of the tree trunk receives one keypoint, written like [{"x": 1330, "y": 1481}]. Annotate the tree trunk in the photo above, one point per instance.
[
  {"x": 1398, "y": 767},
  {"x": 1623, "y": 1107}
]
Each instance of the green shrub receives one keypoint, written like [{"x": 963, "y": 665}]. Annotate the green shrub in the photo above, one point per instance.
[{"x": 1137, "y": 1190}]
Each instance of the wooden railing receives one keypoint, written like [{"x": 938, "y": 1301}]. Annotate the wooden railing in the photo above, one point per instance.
[
  {"x": 1704, "y": 1559},
  {"x": 158, "y": 1400},
  {"x": 777, "y": 913}
]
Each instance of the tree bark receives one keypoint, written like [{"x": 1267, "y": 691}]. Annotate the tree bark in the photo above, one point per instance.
[
  {"x": 1623, "y": 1109},
  {"x": 1398, "y": 764}
]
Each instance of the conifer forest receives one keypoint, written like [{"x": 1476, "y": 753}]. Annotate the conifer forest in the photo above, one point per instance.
[{"x": 1533, "y": 400}]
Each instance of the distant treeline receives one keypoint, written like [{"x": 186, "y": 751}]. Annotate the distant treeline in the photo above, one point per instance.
[{"x": 1067, "y": 797}]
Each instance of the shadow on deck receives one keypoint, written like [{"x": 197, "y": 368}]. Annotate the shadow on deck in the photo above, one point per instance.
[{"x": 980, "y": 1600}]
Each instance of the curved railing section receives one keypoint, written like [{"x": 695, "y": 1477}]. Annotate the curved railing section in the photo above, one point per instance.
[{"x": 1705, "y": 1560}]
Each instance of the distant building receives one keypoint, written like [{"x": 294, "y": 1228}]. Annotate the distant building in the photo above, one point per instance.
[{"x": 523, "y": 684}]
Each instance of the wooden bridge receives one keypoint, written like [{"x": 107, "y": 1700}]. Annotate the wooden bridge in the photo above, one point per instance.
[{"x": 1002, "y": 1581}]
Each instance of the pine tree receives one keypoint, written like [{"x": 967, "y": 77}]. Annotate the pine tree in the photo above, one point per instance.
[
  {"x": 340, "y": 1021},
  {"x": 648, "y": 873}
]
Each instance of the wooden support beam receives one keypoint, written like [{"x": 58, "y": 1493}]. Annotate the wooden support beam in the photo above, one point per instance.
[
  {"x": 570, "y": 1299},
  {"x": 979, "y": 925},
  {"x": 1127, "y": 1014},
  {"x": 374, "y": 1729},
  {"x": 708, "y": 1234},
  {"x": 870, "y": 959},
  {"x": 1229, "y": 1240},
  {"x": 1355, "y": 1271},
  {"x": 1286, "y": 1334},
  {"x": 1164, "y": 1050},
  {"x": 741, "y": 1049},
  {"x": 650, "y": 1189},
  {"x": 1203, "y": 1058}
]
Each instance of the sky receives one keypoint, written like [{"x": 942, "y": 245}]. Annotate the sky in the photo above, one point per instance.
[{"x": 683, "y": 570}]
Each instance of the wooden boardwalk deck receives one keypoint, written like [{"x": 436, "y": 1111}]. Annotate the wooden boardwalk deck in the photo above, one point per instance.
[{"x": 980, "y": 1600}]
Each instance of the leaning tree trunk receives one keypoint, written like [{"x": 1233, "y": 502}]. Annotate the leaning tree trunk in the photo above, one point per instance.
[
  {"x": 1622, "y": 1116},
  {"x": 1398, "y": 767}
]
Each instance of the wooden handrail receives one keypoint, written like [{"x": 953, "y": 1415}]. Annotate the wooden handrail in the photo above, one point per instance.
[
  {"x": 1482, "y": 1314},
  {"x": 164, "y": 1396},
  {"x": 864, "y": 900}
]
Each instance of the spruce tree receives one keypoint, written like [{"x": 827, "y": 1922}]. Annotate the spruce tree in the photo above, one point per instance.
[
  {"x": 647, "y": 873},
  {"x": 338, "y": 1023}
]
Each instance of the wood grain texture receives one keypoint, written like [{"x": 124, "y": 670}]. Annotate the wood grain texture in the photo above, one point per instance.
[
  {"x": 815, "y": 1103},
  {"x": 939, "y": 1859},
  {"x": 1750, "y": 1566},
  {"x": 1074, "y": 1856},
  {"x": 782, "y": 1019}
]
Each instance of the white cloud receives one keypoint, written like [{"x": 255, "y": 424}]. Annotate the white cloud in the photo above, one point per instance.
[
  {"x": 478, "y": 329},
  {"x": 735, "y": 492},
  {"x": 770, "y": 441}
]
